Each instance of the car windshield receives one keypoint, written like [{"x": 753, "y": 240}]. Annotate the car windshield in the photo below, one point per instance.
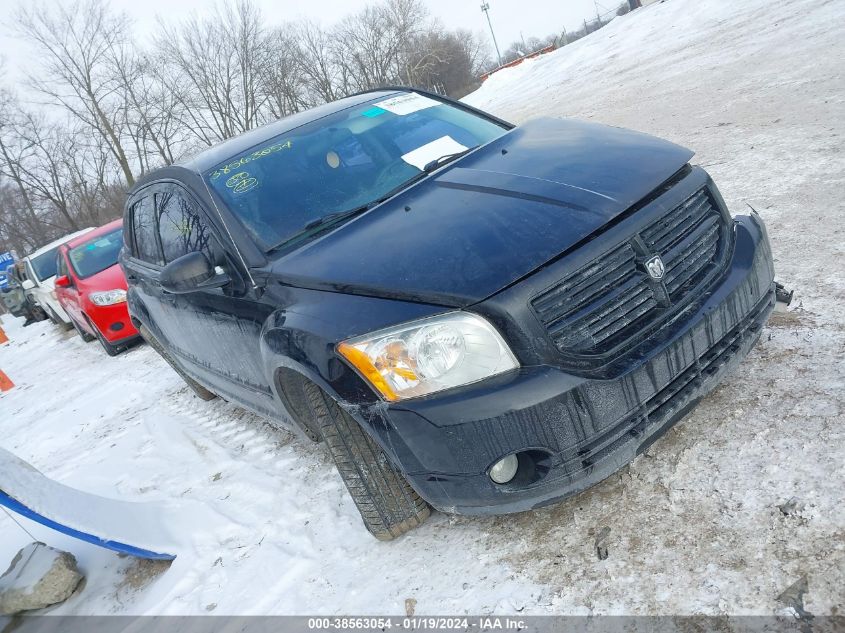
[
  {"x": 96, "y": 254},
  {"x": 289, "y": 184},
  {"x": 45, "y": 264}
]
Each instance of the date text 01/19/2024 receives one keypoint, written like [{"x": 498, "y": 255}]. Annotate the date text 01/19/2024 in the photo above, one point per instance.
[{"x": 416, "y": 623}]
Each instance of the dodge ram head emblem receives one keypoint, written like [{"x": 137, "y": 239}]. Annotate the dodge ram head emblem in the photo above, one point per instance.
[{"x": 655, "y": 268}]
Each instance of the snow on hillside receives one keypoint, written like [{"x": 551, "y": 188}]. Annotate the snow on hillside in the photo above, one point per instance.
[{"x": 756, "y": 88}]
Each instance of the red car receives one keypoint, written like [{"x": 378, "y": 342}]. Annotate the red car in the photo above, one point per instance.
[{"x": 91, "y": 288}]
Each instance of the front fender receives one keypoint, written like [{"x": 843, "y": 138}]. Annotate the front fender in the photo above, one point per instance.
[{"x": 302, "y": 338}]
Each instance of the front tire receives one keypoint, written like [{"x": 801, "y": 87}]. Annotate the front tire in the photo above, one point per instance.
[
  {"x": 82, "y": 333},
  {"x": 386, "y": 501},
  {"x": 52, "y": 316},
  {"x": 201, "y": 392},
  {"x": 111, "y": 350},
  {"x": 57, "y": 320}
]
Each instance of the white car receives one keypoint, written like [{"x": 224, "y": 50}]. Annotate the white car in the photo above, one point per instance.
[{"x": 41, "y": 277}]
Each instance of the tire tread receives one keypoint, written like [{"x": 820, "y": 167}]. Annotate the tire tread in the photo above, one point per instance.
[{"x": 388, "y": 504}]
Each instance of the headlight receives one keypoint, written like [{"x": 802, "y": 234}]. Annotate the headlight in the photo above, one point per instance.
[
  {"x": 429, "y": 355},
  {"x": 108, "y": 297}
]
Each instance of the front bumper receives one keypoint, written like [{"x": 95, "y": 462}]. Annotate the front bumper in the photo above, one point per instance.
[
  {"x": 113, "y": 322},
  {"x": 575, "y": 431}
]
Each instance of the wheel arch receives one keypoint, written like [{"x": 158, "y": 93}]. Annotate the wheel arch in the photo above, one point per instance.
[{"x": 296, "y": 353}]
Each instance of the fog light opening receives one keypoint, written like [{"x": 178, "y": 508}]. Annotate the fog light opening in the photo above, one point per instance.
[{"x": 505, "y": 469}]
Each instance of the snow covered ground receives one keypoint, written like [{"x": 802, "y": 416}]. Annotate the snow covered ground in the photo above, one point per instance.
[{"x": 265, "y": 525}]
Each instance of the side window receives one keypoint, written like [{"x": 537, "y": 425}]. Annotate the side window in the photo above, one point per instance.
[
  {"x": 182, "y": 227},
  {"x": 144, "y": 230}
]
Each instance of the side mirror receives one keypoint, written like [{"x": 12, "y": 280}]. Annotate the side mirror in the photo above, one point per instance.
[
  {"x": 28, "y": 284},
  {"x": 191, "y": 272},
  {"x": 62, "y": 281}
]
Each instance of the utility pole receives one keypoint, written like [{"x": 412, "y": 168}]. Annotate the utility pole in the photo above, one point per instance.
[{"x": 485, "y": 6}]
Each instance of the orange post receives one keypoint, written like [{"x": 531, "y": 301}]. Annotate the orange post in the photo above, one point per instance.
[
  {"x": 3, "y": 337},
  {"x": 5, "y": 383}
]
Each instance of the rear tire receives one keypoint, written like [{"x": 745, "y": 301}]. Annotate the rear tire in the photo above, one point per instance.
[
  {"x": 386, "y": 501},
  {"x": 201, "y": 392}
]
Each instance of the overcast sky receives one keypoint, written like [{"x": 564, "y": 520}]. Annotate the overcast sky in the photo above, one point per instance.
[{"x": 509, "y": 17}]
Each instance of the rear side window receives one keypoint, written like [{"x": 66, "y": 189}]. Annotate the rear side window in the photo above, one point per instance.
[
  {"x": 144, "y": 230},
  {"x": 182, "y": 228}
]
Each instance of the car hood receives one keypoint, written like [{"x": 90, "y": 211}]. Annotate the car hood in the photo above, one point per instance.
[
  {"x": 112, "y": 278},
  {"x": 490, "y": 218}
]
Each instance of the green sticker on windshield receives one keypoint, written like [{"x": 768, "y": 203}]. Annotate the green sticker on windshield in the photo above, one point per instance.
[{"x": 373, "y": 112}]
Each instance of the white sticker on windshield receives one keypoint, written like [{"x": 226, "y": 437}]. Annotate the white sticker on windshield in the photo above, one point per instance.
[
  {"x": 406, "y": 104},
  {"x": 443, "y": 146}
]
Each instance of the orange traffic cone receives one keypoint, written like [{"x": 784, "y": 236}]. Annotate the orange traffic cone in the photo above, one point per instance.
[
  {"x": 3, "y": 337},
  {"x": 5, "y": 383}
]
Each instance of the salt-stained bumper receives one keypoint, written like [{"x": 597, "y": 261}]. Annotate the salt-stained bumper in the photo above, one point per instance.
[{"x": 572, "y": 432}]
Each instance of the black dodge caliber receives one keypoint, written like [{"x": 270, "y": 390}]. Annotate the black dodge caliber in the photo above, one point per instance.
[{"x": 474, "y": 316}]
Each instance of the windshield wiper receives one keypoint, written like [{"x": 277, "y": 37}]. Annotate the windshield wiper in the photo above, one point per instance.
[
  {"x": 431, "y": 165},
  {"x": 337, "y": 216},
  {"x": 314, "y": 226}
]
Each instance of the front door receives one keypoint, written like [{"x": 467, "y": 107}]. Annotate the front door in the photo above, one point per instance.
[
  {"x": 69, "y": 296},
  {"x": 213, "y": 333}
]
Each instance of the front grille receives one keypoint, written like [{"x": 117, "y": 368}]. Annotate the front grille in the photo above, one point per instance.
[
  {"x": 604, "y": 305},
  {"x": 687, "y": 238}
]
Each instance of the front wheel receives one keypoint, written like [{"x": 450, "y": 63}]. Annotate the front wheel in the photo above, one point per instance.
[
  {"x": 111, "y": 350},
  {"x": 52, "y": 316},
  {"x": 82, "y": 333},
  {"x": 386, "y": 501}
]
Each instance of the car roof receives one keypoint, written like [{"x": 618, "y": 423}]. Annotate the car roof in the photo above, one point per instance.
[
  {"x": 58, "y": 242},
  {"x": 101, "y": 230},
  {"x": 212, "y": 156}
]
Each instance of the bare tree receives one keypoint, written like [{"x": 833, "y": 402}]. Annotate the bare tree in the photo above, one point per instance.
[
  {"x": 284, "y": 83},
  {"x": 75, "y": 42},
  {"x": 214, "y": 68},
  {"x": 10, "y": 152},
  {"x": 325, "y": 79},
  {"x": 150, "y": 112}
]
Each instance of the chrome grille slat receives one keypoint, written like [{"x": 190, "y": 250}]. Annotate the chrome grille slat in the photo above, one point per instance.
[{"x": 610, "y": 301}]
